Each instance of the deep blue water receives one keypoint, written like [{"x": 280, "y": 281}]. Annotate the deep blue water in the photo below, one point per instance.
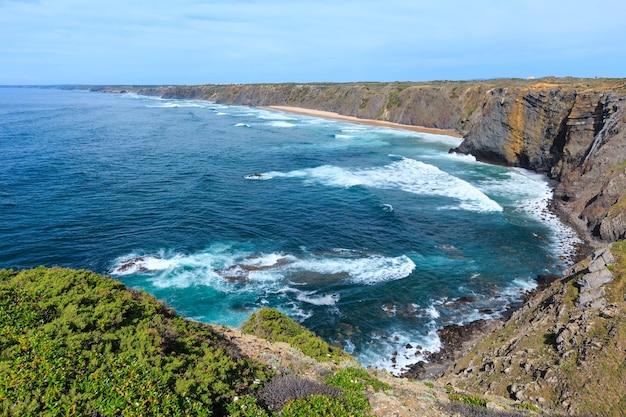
[{"x": 366, "y": 235}]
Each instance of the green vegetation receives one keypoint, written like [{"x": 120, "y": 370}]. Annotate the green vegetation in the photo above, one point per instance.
[
  {"x": 76, "y": 343},
  {"x": 352, "y": 382},
  {"x": 471, "y": 400},
  {"x": 272, "y": 325},
  {"x": 341, "y": 396}
]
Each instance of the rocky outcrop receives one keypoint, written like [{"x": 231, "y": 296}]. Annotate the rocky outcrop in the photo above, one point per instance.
[
  {"x": 577, "y": 136},
  {"x": 564, "y": 351}
]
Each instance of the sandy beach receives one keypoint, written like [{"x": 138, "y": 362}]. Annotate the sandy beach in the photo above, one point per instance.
[{"x": 372, "y": 122}]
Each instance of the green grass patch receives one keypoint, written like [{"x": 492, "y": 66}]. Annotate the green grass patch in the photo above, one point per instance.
[{"x": 274, "y": 326}]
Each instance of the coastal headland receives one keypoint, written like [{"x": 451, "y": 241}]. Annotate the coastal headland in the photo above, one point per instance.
[{"x": 570, "y": 332}]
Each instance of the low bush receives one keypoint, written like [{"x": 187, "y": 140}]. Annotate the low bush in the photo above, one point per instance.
[
  {"x": 274, "y": 326},
  {"x": 280, "y": 390},
  {"x": 76, "y": 343}
]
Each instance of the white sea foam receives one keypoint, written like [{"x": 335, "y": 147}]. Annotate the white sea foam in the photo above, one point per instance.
[
  {"x": 451, "y": 141},
  {"x": 274, "y": 115},
  {"x": 397, "y": 350},
  {"x": 222, "y": 267},
  {"x": 242, "y": 125},
  {"x": 433, "y": 312},
  {"x": 532, "y": 193},
  {"x": 470, "y": 159},
  {"x": 280, "y": 123},
  {"x": 178, "y": 104},
  {"x": 405, "y": 174},
  {"x": 312, "y": 297},
  {"x": 369, "y": 270},
  {"x": 135, "y": 263}
]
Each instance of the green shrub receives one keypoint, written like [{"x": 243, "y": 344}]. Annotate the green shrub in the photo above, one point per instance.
[
  {"x": 272, "y": 325},
  {"x": 355, "y": 379},
  {"x": 246, "y": 406},
  {"x": 320, "y": 405},
  {"x": 74, "y": 342},
  {"x": 470, "y": 400}
]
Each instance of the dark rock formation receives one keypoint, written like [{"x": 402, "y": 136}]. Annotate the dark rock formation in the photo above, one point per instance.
[
  {"x": 455, "y": 341},
  {"x": 575, "y": 136}
]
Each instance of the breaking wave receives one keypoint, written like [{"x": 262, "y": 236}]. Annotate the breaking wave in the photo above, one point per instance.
[{"x": 406, "y": 174}]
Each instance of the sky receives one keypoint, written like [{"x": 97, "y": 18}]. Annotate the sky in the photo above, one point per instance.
[{"x": 270, "y": 41}]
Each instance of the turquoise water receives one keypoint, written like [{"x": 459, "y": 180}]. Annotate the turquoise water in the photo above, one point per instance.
[{"x": 366, "y": 235}]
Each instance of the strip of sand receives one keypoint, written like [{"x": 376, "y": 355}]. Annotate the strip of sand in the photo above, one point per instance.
[{"x": 372, "y": 122}]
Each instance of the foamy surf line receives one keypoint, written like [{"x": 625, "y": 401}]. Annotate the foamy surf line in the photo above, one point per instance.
[
  {"x": 225, "y": 264},
  {"x": 405, "y": 174},
  {"x": 534, "y": 192}
]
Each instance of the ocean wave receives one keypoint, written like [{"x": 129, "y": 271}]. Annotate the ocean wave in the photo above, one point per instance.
[
  {"x": 273, "y": 115},
  {"x": 405, "y": 174},
  {"x": 178, "y": 104},
  {"x": 219, "y": 266},
  {"x": 368, "y": 270},
  {"x": 313, "y": 297},
  {"x": 280, "y": 123}
]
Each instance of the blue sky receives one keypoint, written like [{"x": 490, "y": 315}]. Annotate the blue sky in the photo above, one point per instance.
[{"x": 256, "y": 41}]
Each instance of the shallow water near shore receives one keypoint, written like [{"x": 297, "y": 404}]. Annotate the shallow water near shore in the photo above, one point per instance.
[{"x": 372, "y": 237}]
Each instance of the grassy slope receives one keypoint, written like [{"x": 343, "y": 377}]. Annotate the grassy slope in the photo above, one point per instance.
[{"x": 75, "y": 343}]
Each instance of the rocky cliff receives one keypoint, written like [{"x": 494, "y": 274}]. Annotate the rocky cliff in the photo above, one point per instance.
[
  {"x": 573, "y": 133},
  {"x": 571, "y": 129},
  {"x": 564, "y": 351}
]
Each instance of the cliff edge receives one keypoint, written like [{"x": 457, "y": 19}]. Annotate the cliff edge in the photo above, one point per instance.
[{"x": 575, "y": 134}]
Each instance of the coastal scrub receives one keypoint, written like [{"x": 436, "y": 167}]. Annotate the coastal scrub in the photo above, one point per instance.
[{"x": 76, "y": 343}]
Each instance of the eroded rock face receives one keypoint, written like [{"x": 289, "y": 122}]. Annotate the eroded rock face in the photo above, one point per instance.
[{"x": 576, "y": 137}]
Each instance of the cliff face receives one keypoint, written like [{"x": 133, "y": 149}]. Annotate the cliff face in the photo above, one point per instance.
[
  {"x": 571, "y": 129},
  {"x": 406, "y": 103},
  {"x": 576, "y": 136}
]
